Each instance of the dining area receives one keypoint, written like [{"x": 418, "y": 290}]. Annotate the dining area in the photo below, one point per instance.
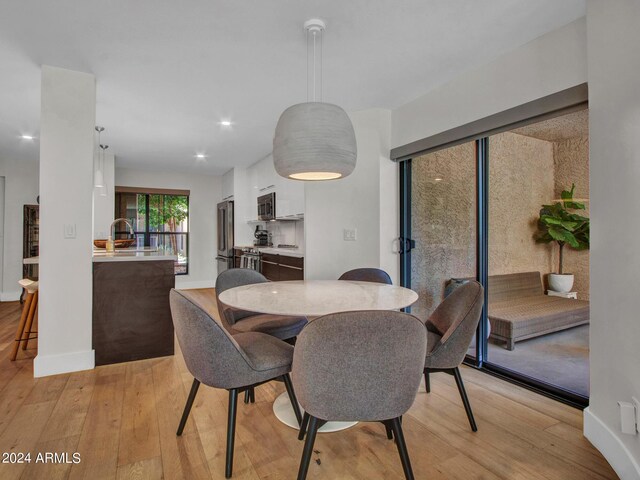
[{"x": 331, "y": 355}]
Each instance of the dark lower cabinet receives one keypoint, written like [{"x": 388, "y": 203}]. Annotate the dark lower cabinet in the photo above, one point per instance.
[
  {"x": 269, "y": 266},
  {"x": 131, "y": 313},
  {"x": 291, "y": 268},
  {"x": 281, "y": 267}
]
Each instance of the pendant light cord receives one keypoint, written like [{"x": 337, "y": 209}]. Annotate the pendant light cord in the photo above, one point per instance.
[
  {"x": 315, "y": 83},
  {"x": 314, "y": 66}
]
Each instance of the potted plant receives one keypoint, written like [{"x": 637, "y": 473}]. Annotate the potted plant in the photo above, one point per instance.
[{"x": 557, "y": 224}]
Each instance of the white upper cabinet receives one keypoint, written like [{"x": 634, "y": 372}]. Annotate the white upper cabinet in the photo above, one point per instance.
[
  {"x": 264, "y": 179},
  {"x": 227, "y": 185},
  {"x": 289, "y": 198}
]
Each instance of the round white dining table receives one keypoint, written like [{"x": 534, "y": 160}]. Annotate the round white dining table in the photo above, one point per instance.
[{"x": 314, "y": 298}]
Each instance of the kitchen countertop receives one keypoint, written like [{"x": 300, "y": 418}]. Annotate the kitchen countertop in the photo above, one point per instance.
[
  {"x": 133, "y": 255},
  {"x": 287, "y": 252}
]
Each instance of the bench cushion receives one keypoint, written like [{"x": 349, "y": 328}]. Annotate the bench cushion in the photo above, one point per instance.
[{"x": 530, "y": 316}]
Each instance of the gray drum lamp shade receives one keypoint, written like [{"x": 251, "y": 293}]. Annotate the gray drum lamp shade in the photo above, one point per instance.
[{"x": 314, "y": 141}]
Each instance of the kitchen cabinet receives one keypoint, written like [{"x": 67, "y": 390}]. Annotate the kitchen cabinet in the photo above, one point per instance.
[
  {"x": 131, "y": 312},
  {"x": 269, "y": 267},
  {"x": 281, "y": 267},
  {"x": 264, "y": 179},
  {"x": 289, "y": 198},
  {"x": 227, "y": 185},
  {"x": 290, "y": 268}
]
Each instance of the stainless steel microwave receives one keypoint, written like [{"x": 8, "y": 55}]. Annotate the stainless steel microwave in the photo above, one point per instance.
[{"x": 267, "y": 206}]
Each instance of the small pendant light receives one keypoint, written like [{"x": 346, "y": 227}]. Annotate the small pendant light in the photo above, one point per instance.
[
  {"x": 314, "y": 140},
  {"x": 98, "y": 176}
]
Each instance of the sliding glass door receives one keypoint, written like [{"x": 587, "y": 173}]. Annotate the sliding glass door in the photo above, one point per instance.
[{"x": 472, "y": 211}]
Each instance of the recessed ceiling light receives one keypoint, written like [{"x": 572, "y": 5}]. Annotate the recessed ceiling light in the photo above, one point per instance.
[
  {"x": 27, "y": 137},
  {"x": 225, "y": 123},
  {"x": 438, "y": 179},
  {"x": 200, "y": 155}
]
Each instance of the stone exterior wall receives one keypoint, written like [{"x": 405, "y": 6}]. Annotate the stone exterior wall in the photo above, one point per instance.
[
  {"x": 443, "y": 222},
  {"x": 525, "y": 173},
  {"x": 572, "y": 166},
  {"x": 521, "y": 179}
]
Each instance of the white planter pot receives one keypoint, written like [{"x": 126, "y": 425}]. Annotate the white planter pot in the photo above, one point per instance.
[{"x": 560, "y": 282}]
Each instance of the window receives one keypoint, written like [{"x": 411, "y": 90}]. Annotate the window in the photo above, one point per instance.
[{"x": 159, "y": 219}]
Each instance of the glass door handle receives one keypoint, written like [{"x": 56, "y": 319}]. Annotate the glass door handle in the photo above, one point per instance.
[{"x": 406, "y": 245}]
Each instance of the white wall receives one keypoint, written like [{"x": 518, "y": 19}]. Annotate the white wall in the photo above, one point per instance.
[
  {"x": 614, "y": 131},
  {"x": 21, "y": 188},
  {"x": 546, "y": 65},
  {"x": 352, "y": 203},
  {"x": 104, "y": 205},
  {"x": 206, "y": 192},
  {"x": 67, "y": 120}
]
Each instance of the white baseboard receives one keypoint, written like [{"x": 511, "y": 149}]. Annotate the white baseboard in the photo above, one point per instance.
[
  {"x": 10, "y": 296},
  {"x": 186, "y": 285},
  {"x": 45, "y": 365},
  {"x": 609, "y": 444}
]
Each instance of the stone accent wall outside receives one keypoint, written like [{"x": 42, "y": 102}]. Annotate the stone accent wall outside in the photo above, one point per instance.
[{"x": 525, "y": 173}]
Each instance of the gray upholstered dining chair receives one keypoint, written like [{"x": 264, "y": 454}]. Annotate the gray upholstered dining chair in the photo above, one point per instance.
[
  {"x": 235, "y": 320},
  {"x": 450, "y": 329},
  {"x": 218, "y": 359},
  {"x": 367, "y": 275},
  {"x": 358, "y": 366},
  {"x": 284, "y": 327}
]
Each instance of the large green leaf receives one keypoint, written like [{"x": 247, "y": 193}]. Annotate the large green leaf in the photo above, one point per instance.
[
  {"x": 557, "y": 224},
  {"x": 569, "y": 225},
  {"x": 563, "y": 235}
]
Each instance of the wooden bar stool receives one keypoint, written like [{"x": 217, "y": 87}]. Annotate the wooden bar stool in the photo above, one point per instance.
[{"x": 29, "y": 312}]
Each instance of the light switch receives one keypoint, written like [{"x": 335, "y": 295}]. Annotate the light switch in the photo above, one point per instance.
[
  {"x": 628, "y": 418},
  {"x": 70, "y": 230},
  {"x": 350, "y": 234}
]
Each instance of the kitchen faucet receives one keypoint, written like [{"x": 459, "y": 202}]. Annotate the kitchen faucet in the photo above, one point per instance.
[{"x": 112, "y": 228}]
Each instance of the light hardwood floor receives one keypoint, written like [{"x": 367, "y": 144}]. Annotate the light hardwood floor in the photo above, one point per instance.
[{"x": 122, "y": 420}]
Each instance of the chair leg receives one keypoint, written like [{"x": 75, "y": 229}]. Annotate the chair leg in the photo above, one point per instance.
[
  {"x": 231, "y": 431},
  {"x": 30, "y": 320},
  {"x": 292, "y": 397},
  {"x": 303, "y": 426},
  {"x": 188, "y": 405},
  {"x": 427, "y": 381},
  {"x": 387, "y": 427},
  {"x": 250, "y": 395},
  {"x": 396, "y": 425},
  {"x": 308, "y": 448},
  {"x": 465, "y": 399},
  {"x": 23, "y": 319}
]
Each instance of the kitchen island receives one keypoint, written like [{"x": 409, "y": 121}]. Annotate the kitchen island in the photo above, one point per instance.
[{"x": 131, "y": 314}]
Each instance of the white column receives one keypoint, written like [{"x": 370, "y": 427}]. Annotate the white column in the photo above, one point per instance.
[
  {"x": 104, "y": 205},
  {"x": 67, "y": 123}
]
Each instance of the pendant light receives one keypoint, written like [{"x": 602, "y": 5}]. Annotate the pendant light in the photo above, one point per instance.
[
  {"x": 98, "y": 175},
  {"x": 314, "y": 140},
  {"x": 103, "y": 188}
]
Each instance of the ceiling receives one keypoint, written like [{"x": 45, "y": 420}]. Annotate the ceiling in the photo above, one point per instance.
[
  {"x": 167, "y": 72},
  {"x": 560, "y": 128}
]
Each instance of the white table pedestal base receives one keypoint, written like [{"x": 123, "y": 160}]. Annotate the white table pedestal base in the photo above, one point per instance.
[{"x": 284, "y": 412}]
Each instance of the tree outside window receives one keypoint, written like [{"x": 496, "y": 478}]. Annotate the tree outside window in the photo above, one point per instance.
[{"x": 161, "y": 220}]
